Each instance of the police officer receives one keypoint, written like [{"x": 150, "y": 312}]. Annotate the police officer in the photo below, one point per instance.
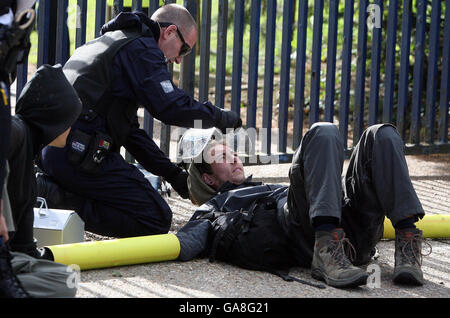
[
  {"x": 9, "y": 284},
  {"x": 21, "y": 275},
  {"x": 6, "y": 70},
  {"x": 113, "y": 75},
  {"x": 16, "y": 23},
  {"x": 15, "y": 28}
]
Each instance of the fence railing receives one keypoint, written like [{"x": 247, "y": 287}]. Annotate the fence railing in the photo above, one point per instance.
[{"x": 283, "y": 65}]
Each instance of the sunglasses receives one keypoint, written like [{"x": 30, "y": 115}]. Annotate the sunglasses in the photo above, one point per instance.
[{"x": 185, "y": 48}]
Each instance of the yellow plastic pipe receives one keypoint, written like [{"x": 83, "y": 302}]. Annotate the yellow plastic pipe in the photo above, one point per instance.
[
  {"x": 118, "y": 252},
  {"x": 166, "y": 247},
  {"x": 432, "y": 226}
]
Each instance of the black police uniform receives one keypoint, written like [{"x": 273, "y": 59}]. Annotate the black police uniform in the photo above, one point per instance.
[
  {"x": 5, "y": 108},
  {"x": 5, "y": 130},
  {"x": 113, "y": 75},
  {"x": 14, "y": 47}
]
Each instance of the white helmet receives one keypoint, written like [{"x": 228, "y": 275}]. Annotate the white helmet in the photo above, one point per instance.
[{"x": 195, "y": 140}]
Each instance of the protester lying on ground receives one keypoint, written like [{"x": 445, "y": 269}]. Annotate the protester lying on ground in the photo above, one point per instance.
[{"x": 320, "y": 220}]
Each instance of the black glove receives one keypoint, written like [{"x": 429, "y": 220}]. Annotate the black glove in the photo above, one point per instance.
[
  {"x": 179, "y": 183},
  {"x": 14, "y": 43},
  {"x": 227, "y": 119}
]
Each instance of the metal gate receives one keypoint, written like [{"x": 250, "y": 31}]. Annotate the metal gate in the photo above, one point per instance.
[{"x": 283, "y": 65}]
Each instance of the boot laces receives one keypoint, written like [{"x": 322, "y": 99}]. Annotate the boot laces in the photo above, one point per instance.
[
  {"x": 410, "y": 248},
  {"x": 343, "y": 251}
]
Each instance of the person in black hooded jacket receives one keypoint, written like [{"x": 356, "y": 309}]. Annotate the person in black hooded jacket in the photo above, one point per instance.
[
  {"x": 16, "y": 23},
  {"x": 45, "y": 111},
  {"x": 5, "y": 108}
]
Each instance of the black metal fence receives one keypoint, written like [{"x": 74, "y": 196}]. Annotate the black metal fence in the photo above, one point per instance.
[{"x": 385, "y": 61}]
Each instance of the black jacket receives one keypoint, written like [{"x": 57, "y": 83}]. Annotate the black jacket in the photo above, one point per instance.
[
  {"x": 195, "y": 237},
  {"x": 47, "y": 106},
  {"x": 5, "y": 129},
  {"x": 233, "y": 197}
]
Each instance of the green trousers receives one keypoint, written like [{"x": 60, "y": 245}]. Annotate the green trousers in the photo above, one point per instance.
[{"x": 43, "y": 278}]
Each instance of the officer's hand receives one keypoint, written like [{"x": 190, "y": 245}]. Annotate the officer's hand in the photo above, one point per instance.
[
  {"x": 179, "y": 184},
  {"x": 227, "y": 119}
]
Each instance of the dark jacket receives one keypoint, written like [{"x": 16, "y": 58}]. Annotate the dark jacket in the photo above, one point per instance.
[
  {"x": 5, "y": 109},
  {"x": 47, "y": 107},
  {"x": 196, "y": 236},
  {"x": 5, "y": 129}
]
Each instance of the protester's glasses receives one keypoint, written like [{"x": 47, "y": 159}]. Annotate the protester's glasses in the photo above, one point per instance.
[{"x": 185, "y": 48}]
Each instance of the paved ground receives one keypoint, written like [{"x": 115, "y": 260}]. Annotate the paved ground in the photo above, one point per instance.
[{"x": 200, "y": 278}]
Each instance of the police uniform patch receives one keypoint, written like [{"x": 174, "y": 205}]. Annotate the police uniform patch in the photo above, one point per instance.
[
  {"x": 167, "y": 86},
  {"x": 78, "y": 146}
]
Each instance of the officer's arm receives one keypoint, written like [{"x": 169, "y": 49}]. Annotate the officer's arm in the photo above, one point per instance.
[
  {"x": 142, "y": 64},
  {"x": 148, "y": 154}
]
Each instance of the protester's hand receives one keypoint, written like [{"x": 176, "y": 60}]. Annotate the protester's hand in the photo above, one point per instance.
[
  {"x": 3, "y": 228},
  {"x": 179, "y": 184},
  {"x": 227, "y": 119}
]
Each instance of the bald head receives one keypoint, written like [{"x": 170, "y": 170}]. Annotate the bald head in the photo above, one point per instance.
[{"x": 176, "y": 14}]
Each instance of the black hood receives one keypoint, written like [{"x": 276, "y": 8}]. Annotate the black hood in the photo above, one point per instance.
[
  {"x": 132, "y": 21},
  {"x": 48, "y": 103}
]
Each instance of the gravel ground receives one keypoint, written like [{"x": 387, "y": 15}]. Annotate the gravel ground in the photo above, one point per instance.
[{"x": 200, "y": 278}]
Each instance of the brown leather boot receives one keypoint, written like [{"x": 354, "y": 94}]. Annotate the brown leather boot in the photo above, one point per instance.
[
  {"x": 330, "y": 261},
  {"x": 408, "y": 257}
]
